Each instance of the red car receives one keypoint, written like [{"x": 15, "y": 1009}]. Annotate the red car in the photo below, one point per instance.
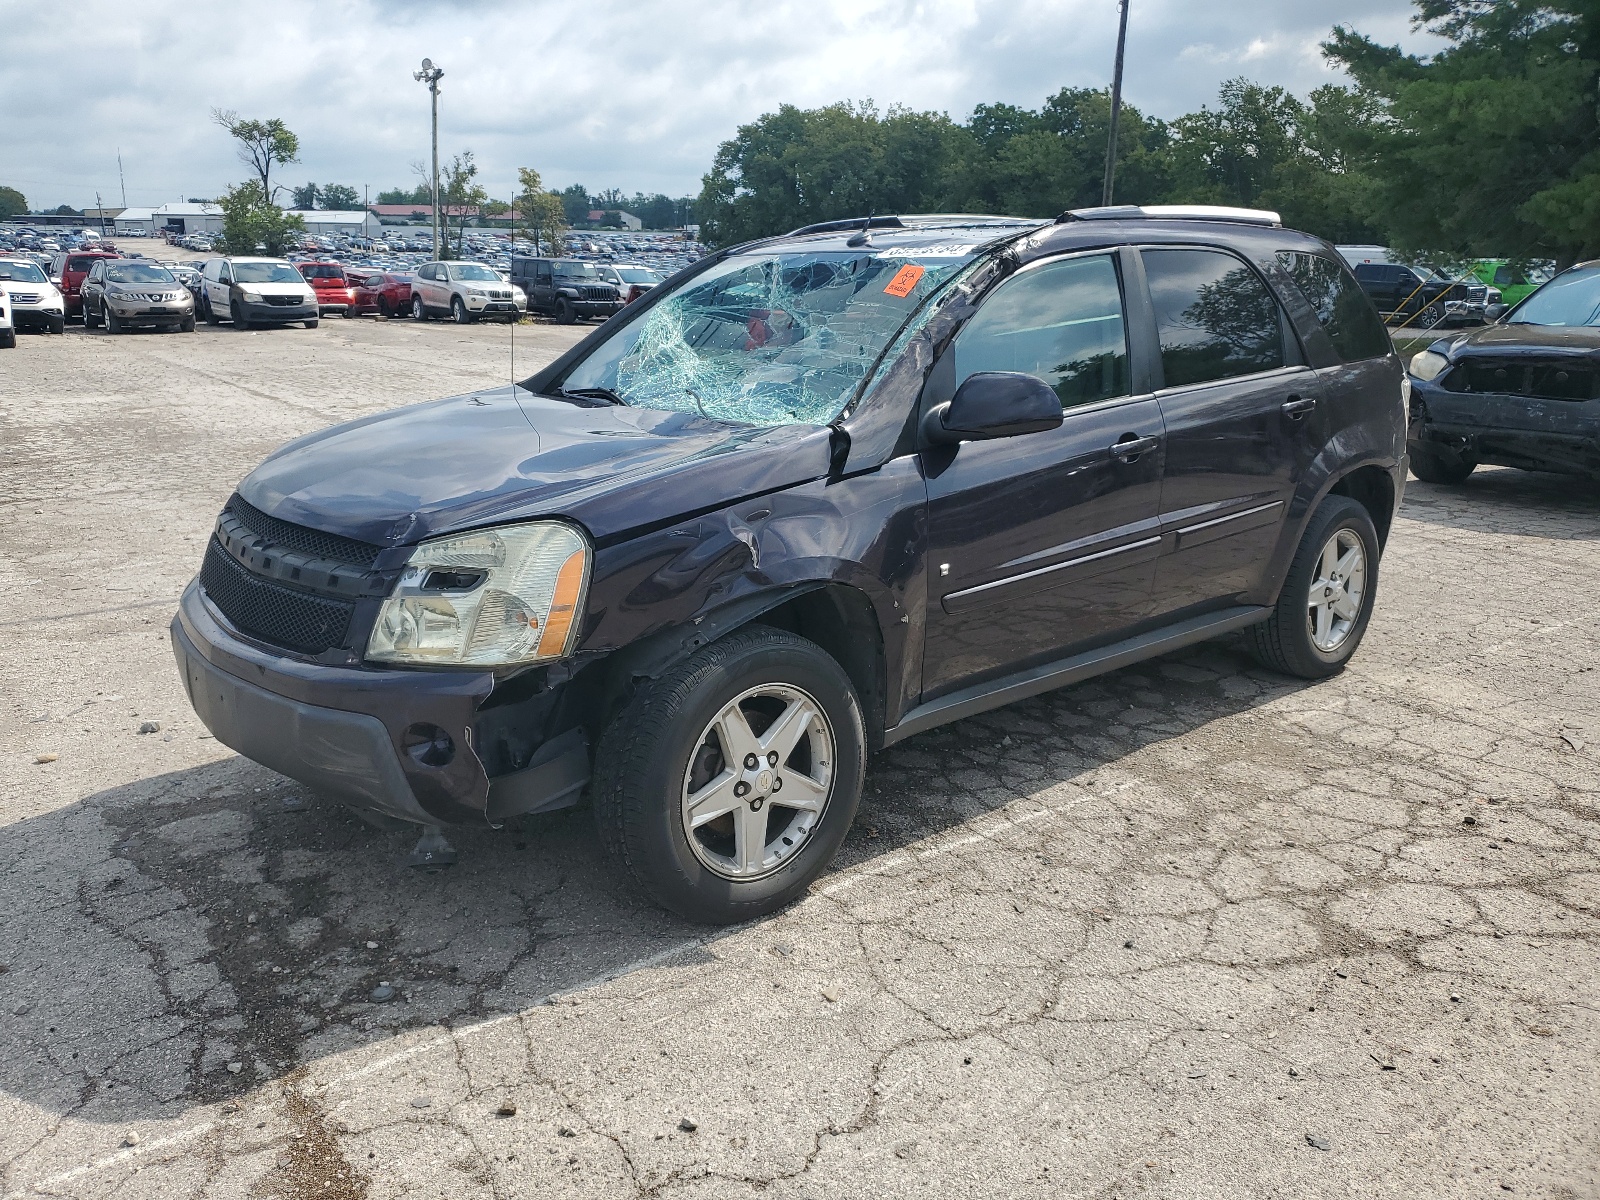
[
  {"x": 388, "y": 295},
  {"x": 72, "y": 267},
  {"x": 332, "y": 286}
]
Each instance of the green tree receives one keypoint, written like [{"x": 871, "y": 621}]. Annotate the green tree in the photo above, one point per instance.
[
  {"x": 797, "y": 166},
  {"x": 262, "y": 144},
  {"x": 305, "y": 196},
  {"x": 1492, "y": 146},
  {"x": 12, "y": 202},
  {"x": 576, "y": 203},
  {"x": 340, "y": 197},
  {"x": 543, "y": 212},
  {"x": 253, "y": 224},
  {"x": 416, "y": 195},
  {"x": 459, "y": 193}
]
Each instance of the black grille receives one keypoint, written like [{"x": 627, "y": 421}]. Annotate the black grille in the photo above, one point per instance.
[
  {"x": 598, "y": 293},
  {"x": 1541, "y": 380},
  {"x": 285, "y": 301},
  {"x": 298, "y": 537},
  {"x": 270, "y": 611}
]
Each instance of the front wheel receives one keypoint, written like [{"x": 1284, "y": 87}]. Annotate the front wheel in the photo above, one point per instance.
[
  {"x": 1326, "y": 602},
  {"x": 235, "y": 312},
  {"x": 564, "y": 313},
  {"x": 418, "y": 309},
  {"x": 113, "y": 322},
  {"x": 8, "y": 339},
  {"x": 187, "y": 324},
  {"x": 458, "y": 311},
  {"x": 90, "y": 320},
  {"x": 58, "y": 325},
  {"x": 210, "y": 315},
  {"x": 312, "y": 323},
  {"x": 1433, "y": 468},
  {"x": 726, "y": 785}
]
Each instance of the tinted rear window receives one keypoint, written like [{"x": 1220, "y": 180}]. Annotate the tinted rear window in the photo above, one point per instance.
[
  {"x": 321, "y": 271},
  {"x": 1352, "y": 323},
  {"x": 77, "y": 263},
  {"x": 1217, "y": 320}
]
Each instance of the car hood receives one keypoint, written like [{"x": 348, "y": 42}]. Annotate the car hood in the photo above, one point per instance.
[
  {"x": 507, "y": 454},
  {"x": 1523, "y": 341}
]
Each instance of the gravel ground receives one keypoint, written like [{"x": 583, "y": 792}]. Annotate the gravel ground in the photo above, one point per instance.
[{"x": 1190, "y": 930}]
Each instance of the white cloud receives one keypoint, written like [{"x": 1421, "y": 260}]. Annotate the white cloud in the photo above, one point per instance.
[{"x": 629, "y": 93}]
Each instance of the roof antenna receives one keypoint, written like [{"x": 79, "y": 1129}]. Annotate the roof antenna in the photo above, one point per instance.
[{"x": 864, "y": 238}]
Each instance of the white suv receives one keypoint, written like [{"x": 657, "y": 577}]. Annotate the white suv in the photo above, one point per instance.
[
  {"x": 8, "y": 331},
  {"x": 464, "y": 291},
  {"x": 34, "y": 302}
]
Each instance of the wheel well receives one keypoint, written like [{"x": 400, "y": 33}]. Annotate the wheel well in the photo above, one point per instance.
[
  {"x": 841, "y": 620},
  {"x": 1373, "y": 489}
]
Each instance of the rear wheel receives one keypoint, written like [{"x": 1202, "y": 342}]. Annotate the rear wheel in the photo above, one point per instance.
[
  {"x": 727, "y": 785},
  {"x": 1326, "y": 602},
  {"x": 1433, "y": 468}
]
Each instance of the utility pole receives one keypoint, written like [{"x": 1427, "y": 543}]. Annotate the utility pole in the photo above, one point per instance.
[
  {"x": 123, "y": 181},
  {"x": 430, "y": 75},
  {"x": 100, "y": 206},
  {"x": 1116, "y": 106}
]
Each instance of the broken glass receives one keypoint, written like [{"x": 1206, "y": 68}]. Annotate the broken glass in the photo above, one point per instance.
[{"x": 768, "y": 339}]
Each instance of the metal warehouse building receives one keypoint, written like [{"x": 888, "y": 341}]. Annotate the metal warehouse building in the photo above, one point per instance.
[{"x": 207, "y": 218}]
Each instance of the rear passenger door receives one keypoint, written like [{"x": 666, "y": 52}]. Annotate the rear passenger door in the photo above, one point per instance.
[
  {"x": 1240, "y": 411},
  {"x": 543, "y": 286}
]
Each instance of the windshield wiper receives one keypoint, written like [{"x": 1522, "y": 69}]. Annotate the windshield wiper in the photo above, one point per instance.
[{"x": 595, "y": 393}]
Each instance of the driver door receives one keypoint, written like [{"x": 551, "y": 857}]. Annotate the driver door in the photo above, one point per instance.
[{"x": 1045, "y": 541}]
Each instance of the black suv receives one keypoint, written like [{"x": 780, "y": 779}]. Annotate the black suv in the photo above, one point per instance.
[
  {"x": 1421, "y": 297},
  {"x": 815, "y": 495},
  {"x": 567, "y": 289}
]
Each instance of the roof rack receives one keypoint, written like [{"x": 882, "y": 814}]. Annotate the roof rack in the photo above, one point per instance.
[
  {"x": 1172, "y": 212},
  {"x": 911, "y": 221}
]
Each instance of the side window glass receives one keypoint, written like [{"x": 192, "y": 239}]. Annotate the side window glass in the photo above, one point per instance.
[
  {"x": 1352, "y": 323},
  {"x": 1215, "y": 317},
  {"x": 225, "y": 273},
  {"x": 1061, "y": 321}
]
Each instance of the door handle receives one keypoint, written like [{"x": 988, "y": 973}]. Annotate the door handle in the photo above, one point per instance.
[
  {"x": 1298, "y": 406},
  {"x": 1131, "y": 446}
]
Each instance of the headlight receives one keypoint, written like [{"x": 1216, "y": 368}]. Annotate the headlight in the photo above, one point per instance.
[
  {"x": 1427, "y": 365},
  {"x": 490, "y": 598},
  {"x": 252, "y": 298}
]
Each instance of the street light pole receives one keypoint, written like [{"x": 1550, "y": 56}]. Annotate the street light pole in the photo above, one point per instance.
[
  {"x": 430, "y": 75},
  {"x": 1116, "y": 107}
]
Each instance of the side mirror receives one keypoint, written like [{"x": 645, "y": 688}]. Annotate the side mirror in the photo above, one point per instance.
[
  {"x": 993, "y": 404},
  {"x": 1495, "y": 311}
]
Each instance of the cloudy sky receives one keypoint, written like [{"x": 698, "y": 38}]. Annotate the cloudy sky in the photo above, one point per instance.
[{"x": 634, "y": 94}]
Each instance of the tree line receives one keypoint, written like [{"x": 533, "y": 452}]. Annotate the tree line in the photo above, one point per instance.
[{"x": 1490, "y": 147}]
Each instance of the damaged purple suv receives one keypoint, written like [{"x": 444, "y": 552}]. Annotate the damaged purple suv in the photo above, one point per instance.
[{"x": 811, "y": 497}]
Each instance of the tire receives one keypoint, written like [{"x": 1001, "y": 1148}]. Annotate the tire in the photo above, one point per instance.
[
  {"x": 419, "y": 310},
  {"x": 459, "y": 313},
  {"x": 1288, "y": 640},
  {"x": 648, "y": 760},
  {"x": 312, "y": 323},
  {"x": 1431, "y": 316},
  {"x": 383, "y": 308},
  {"x": 187, "y": 324},
  {"x": 90, "y": 320},
  {"x": 58, "y": 325},
  {"x": 237, "y": 315},
  {"x": 1433, "y": 468},
  {"x": 209, "y": 314},
  {"x": 564, "y": 314},
  {"x": 349, "y": 313},
  {"x": 8, "y": 339},
  {"x": 113, "y": 322}
]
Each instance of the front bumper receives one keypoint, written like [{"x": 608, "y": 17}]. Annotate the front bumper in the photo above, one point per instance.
[
  {"x": 396, "y": 743},
  {"x": 153, "y": 315},
  {"x": 596, "y": 308},
  {"x": 282, "y": 313},
  {"x": 1562, "y": 436},
  {"x": 35, "y": 317}
]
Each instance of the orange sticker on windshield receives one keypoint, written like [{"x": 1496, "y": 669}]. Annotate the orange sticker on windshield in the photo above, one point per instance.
[{"x": 904, "y": 280}]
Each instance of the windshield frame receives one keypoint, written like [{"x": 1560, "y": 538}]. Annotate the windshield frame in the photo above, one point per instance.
[
  {"x": 167, "y": 276},
  {"x": 1591, "y": 269},
  {"x": 25, "y": 266},
  {"x": 293, "y": 276},
  {"x": 891, "y": 343}
]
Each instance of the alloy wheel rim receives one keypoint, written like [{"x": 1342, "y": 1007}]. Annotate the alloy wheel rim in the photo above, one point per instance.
[
  {"x": 758, "y": 781},
  {"x": 1337, "y": 589}
]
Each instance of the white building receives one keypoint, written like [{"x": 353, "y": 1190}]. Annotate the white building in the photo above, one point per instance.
[{"x": 207, "y": 218}]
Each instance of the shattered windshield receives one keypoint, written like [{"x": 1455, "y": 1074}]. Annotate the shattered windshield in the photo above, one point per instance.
[
  {"x": 1571, "y": 298},
  {"x": 771, "y": 338}
]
